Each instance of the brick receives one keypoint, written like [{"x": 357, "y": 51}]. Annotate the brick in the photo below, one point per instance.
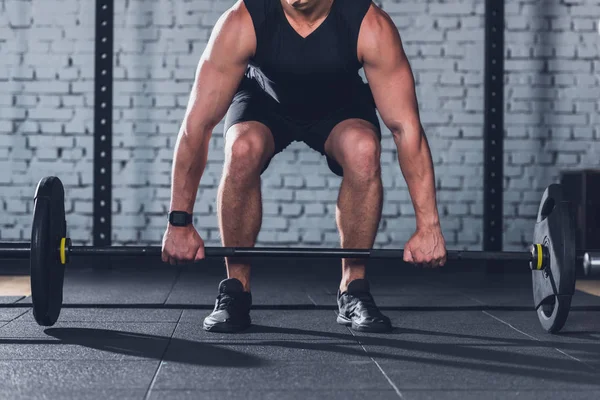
[
  {"x": 312, "y": 222},
  {"x": 467, "y": 118},
  {"x": 570, "y": 65},
  {"x": 463, "y": 35},
  {"x": 16, "y": 206},
  {"x": 521, "y": 158},
  {"x": 585, "y": 25},
  {"x": 18, "y": 114},
  {"x": 37, "y": 141},
  {"x": 6, "y": 127},
  {"x": 433, "y": 64},
  {"x": 127, "y": 235},
  {"x": 390, "y": 210},
  {"x": 314, "y": 209},
  {"x": 316, "y": 195},
  {"x": 516, "y": 22},
  {"x": 293, "y": 182},
  {"x": 51, "y": 114},
  {"x": 436, "y": 119},
  {"x": 316, "y": 237},
  {"x": 565, "y": 119},
  {"x": 585, "y": 10},
  {"x": 524, "y": 65},
  {"x": 291, "y": 210},
  {"x": 580, "y": 132},
  {"x": 267, "y": 237},
  {"x": 315, "y": 182},
  {"x": 519, "y": 106},
  {"x": 382, "y": 239},
  {"x": 567, "y": 159},
  {"x": 273, "y": 181},
  {"x": 272, "y": 223}
]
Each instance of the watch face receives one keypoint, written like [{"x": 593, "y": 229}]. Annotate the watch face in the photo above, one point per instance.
[{"x": 180, "y": 218}]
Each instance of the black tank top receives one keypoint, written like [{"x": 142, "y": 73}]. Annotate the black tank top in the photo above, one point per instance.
[{"x": 311, "y": 75}]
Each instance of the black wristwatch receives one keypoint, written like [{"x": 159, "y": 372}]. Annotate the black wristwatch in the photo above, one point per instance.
[{"x": 180, "y": 218}]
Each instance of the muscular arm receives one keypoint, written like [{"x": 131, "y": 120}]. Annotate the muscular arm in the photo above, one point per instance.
[
  {"x": 392, "y": 83},
  {"x": 219, "y": 72}
]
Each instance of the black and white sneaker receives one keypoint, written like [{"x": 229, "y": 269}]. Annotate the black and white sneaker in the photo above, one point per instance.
[
  {"x": 232, "y": 309},
  {"x": 357, "y": 309}
]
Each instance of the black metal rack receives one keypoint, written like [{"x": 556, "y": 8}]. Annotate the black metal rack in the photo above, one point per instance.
[
  {"x": 103, "y": 103},
  {"x": 493, "y": 140}
]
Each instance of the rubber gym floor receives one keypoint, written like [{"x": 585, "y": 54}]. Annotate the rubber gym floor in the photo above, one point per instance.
[{"x": 133, "y": 331}]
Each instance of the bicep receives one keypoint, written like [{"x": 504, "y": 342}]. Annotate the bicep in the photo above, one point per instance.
[
  {"x": 213, "y": 90},
  {"x": 394, "y": 93},
  {"x": 389, "y": 75},
  {"x": 220, "y": 69}
]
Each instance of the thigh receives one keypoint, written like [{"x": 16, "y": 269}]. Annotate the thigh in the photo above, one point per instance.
[{"x": 324, "y": 134}]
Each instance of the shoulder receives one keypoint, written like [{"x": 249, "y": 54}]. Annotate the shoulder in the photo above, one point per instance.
[
  {"x": 378, "y": 33},
  {"x": 238, "y": 12},
  {"x": 234, "y": 30},
  {"x": 377, "y": 22},
  {"x": 235, "y": 19}
]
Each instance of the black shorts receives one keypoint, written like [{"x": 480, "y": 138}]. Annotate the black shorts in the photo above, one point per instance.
[{"x": 250, "y": 103}]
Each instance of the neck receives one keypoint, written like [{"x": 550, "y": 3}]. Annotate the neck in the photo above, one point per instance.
[{"x": 308, "y": 13}]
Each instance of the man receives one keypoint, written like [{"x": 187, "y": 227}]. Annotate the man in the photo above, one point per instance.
[{"x": 286, "y": 70}]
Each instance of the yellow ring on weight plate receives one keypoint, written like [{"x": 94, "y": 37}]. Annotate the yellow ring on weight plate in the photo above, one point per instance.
[
  {"x": 540, "y": 258},
  {"x": 63, "y": 251}
]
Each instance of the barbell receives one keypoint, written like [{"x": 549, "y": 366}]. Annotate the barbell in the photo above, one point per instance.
[{"x": 551, "y": 258}]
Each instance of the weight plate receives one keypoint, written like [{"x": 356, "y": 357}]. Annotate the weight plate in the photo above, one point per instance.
[
  {"x": 554, "y": 286},
  {"x": 553, "y": 313},
  {"x": 47, "y": 273}
]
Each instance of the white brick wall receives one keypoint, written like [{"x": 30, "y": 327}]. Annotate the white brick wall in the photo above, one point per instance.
[{"x": 46, "y": 117}]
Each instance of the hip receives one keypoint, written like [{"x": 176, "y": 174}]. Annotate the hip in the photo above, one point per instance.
[{"x": 305, "y": 103}]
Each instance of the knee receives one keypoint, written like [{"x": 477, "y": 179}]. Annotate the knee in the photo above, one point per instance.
[
  {"x": 363, "y": 155},
  {"x": 245, "y": 153}
]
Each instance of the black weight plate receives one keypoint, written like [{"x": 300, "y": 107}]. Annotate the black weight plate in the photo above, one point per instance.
[
  {"x": 554, "y": 286},
  {"x": 47, "y": 273}
]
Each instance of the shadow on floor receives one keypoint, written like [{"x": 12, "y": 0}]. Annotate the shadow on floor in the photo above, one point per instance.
[
  {"x": 147, "y": 346},
  {"x": 382, "y": 346},
  {"x": 475, "y": 353},
  {"x": 476, "y": 356}
]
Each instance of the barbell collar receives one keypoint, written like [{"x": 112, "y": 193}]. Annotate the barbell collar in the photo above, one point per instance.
[{"x": 591, "y": 264}]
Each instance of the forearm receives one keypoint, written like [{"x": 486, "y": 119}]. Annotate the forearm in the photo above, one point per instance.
[
  {"x": 414, "y": 157},
  {"x": 191, "y": 153}
]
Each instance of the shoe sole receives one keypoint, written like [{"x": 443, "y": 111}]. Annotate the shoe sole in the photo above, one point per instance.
[
  {"x": 372, "y": 328},
  {"x": 225, "y": 328}
]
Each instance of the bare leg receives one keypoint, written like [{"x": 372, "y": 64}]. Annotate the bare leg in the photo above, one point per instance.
[
  {"x": 249, "y": 145},
  {"x": 355, "y": 146}
]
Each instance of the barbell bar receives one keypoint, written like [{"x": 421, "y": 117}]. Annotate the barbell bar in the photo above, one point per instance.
[
  {"x": 22, "y": 251},
  {"x": 552, "y": 257}
]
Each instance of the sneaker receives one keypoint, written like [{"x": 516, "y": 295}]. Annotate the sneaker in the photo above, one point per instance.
[
  {"x": 358, "y": 310},
  {"x": 232, "y": 308}
]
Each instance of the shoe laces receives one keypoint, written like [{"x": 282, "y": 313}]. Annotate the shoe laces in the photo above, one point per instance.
[{"x": 363, "y": 301}]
